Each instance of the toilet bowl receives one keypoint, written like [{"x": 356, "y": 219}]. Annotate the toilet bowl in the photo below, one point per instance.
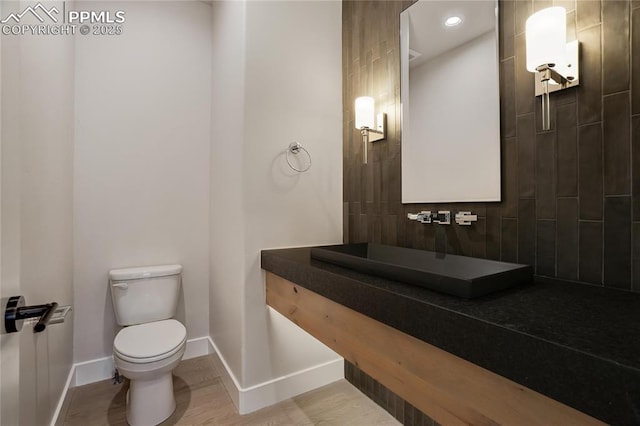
[
  {"x": 151, "y": 344},
  {"x": 147, "y": 354}
]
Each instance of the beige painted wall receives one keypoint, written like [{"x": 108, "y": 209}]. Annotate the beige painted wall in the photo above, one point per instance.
[
  {"x": 227, "y": 232},
  {"x": 37, "y": 215},
  {"x": 276, "y": 80},
  {"x": 154, "y": 163},
  {"x": 293, "y": 93},
  {"x": 143, "y": 108}
]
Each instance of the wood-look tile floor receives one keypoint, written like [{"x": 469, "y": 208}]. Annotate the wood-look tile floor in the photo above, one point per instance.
[{"x": 203, "y": 400}]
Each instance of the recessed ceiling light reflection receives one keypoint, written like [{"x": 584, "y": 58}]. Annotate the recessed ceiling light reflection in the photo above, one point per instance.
[{"x": 453, "y": 21}]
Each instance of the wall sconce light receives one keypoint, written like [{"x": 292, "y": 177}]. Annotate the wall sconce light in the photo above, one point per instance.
[
  {"x": 549, "y": 56},
  {"x": 372, "y": 129}
]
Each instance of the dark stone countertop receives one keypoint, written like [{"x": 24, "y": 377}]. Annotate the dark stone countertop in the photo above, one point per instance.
[{"x": 575, "y": 343}]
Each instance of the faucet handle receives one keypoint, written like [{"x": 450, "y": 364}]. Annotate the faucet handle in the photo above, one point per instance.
[{"x": 465, "y": 218}]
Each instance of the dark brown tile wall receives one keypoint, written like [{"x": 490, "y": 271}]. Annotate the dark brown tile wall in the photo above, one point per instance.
[
  {"x": 571, "y": 196},
  {"x": 404, "y": 412}
]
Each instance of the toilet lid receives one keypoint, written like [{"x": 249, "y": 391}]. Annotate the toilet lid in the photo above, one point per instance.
[{"x": 150, "y": 341}]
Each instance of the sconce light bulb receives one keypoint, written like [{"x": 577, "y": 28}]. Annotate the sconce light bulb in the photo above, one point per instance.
[
  {"x": 365, "y": 108},
  {"x": 546, "y": 38}
]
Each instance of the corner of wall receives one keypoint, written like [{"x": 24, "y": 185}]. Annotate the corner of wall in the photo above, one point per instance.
[{"x": 253, "y": 398}]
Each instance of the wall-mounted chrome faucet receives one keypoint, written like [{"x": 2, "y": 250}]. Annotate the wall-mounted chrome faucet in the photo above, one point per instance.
[{"x": 443, "y": 217}]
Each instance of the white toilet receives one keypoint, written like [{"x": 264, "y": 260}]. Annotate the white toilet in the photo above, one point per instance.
[{"x": 151, "y": 344}]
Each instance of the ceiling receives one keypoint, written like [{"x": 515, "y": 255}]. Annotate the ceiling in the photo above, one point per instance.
[{"x": 429, "y": 37}]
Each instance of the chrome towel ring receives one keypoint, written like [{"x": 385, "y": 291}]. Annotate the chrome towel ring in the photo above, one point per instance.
[{"x": 294, "y": 149}]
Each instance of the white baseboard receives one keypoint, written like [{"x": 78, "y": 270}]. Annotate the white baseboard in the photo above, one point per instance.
[
  {"x": 95, "y": 370},
  {"x": 229, "y": 380},
  {"x": 273, "y": 391},
  {"x": 246, "y": 400},
  {"x": 92, "y": 371},
  {"x": 102, "y": 368},
  {"x": 285, "y": 387},
  {"x": 56, "y": 419},
  {"x": 197, "y": 347}
]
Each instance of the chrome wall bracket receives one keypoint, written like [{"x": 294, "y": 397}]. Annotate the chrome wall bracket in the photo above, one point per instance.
[
  {"x": 563, "y": 76},
  {"x": 373, "y": 135},
  {"x": 554, "y": 77}
]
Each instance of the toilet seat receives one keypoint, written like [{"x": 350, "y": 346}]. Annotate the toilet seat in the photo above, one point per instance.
[{"x": 150, "y": 342}]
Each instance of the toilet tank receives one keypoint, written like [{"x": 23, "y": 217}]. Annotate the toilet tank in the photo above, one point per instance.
[{"x": 145, "y": 294}]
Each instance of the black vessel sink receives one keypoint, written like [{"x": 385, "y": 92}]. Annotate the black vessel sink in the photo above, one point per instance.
[{"x": 462, "y": 276}]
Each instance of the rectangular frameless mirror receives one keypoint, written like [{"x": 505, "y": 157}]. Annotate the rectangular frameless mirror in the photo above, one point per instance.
[{"x": 450, "y": 101}]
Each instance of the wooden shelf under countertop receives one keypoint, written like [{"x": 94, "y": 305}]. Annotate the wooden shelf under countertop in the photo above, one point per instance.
[{"x": 445, "y": 387}]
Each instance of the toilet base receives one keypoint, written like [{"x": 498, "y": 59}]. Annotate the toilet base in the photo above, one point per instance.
[
  {"x": 150, "y": 402},
  {"x": 150, "y": 399}
]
